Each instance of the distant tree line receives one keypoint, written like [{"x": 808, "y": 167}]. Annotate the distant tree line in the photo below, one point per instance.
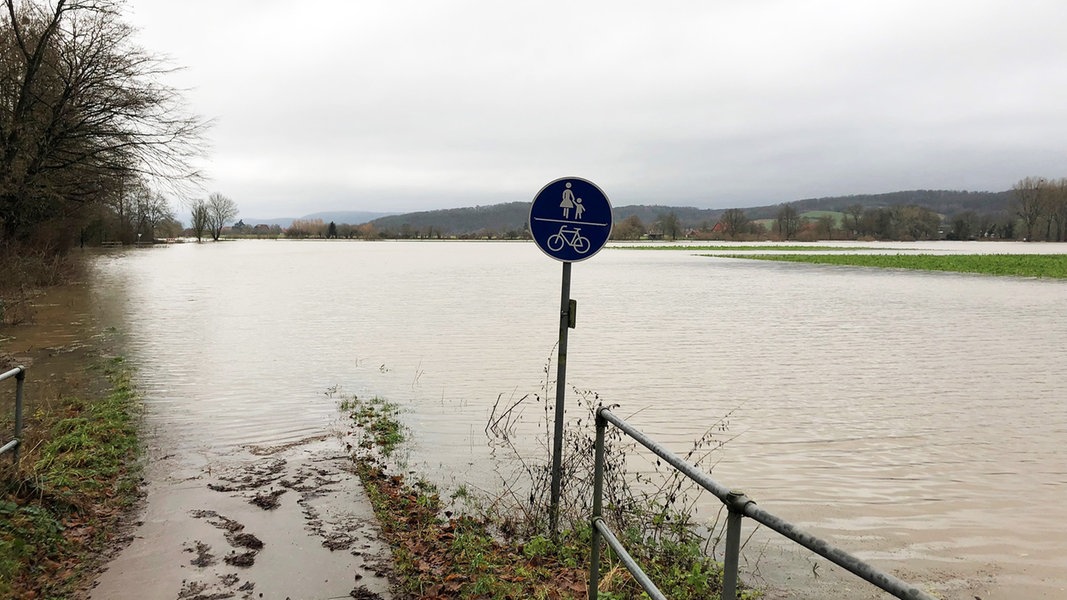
[
  {"x": 302, "y": 229},
  {"x": 1037, "y": 211},
  {"x": 734, "y": 224},
  {"x": 918, "y": 214},
  {"x": 134, "y": 213},
  {"x": 315, "y": 228}
]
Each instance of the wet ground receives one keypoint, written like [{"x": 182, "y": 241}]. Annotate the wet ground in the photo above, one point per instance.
[{"x": 288, "y": 522}]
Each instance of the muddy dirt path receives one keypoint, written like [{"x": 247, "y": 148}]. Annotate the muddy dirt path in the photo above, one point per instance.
[{"x": 289, "y": 522}]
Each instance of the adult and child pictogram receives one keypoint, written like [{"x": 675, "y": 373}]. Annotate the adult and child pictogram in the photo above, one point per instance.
[{"x": 570, "y": 219}]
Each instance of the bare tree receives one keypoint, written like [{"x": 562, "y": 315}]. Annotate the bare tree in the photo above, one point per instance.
[
  {"x": 734, "y": 222},
  {"x": 965, "y": 225},
  {"x": 826, "y": 224},
  {"x": 855, "y": 211},
  {"x": 668, "y": 223},
  {"x": 1056, "y": 208},
  {"x": 630, "y": 228},
  {"x": 199, "y": 217},
  {"x": 220, "y": 210},
  {"x": 82, "y": 109},
  {"x": 1029, "y": 196},
  {"x": 906, "y": 222},
  {"x": 787, "y": 222},
  {"x": 152, "y": 209}
]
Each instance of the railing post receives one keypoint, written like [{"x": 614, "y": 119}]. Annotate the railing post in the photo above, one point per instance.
[
  {"x": 598, "y": 493},
  {"x": 736, "y": 502},
  {"x": 19, "y": 380}
]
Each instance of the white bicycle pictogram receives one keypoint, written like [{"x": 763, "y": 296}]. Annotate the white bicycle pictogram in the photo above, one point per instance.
[{"x": 571, "y": 237}]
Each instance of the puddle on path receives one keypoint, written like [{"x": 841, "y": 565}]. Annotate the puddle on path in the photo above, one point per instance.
[{"x": 272, "y": 523}]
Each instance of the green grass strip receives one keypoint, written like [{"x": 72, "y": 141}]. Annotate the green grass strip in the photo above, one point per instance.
[
  {"x": 761, "y": 248},
  {"x": 1013, "y": 265},
  {"x": 57, "y": 511}
]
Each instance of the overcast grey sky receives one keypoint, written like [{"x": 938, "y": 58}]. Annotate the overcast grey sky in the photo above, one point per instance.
[{"x": 397, "y": 105}]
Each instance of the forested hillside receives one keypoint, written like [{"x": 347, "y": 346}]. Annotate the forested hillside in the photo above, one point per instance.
[
  {"x": 509, "y": 219},
  {"x": 496, "y": 220},
  {"x": 943, "y": 202}
]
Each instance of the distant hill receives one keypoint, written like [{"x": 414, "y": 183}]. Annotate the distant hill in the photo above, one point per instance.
[
  {"x": 512, "y": 216},
  {"x": 649, "y": 214},
  {"x": 282, "y": 222},
  {"x": 944, "y": 202},
  {"x": 352, "y": 217}
]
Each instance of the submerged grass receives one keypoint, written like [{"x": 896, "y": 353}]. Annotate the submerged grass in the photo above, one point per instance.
[
  {"x": 378, "y": 421},
  {"x": 438, "y": 553},
  {"x": 23, "y": 273},
  {"x": 60, "y": 506},
  {"x": 738, "y": 248},
  {"x": 1016, "y": 265},
  {"x": 476, "y": 546}
]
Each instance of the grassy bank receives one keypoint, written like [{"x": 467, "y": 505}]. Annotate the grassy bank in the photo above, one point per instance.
[
  {"x": 735, "y": 248},
  {"x": 60, "y": 507},
  {"x": 1016, "y": 265},
  {"x": 477, "y": 546}
]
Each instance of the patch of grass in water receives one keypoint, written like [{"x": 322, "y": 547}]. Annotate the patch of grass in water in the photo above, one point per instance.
[
  {"x": 378, "y": 421},
  {"x": 1015, "y": 265}
]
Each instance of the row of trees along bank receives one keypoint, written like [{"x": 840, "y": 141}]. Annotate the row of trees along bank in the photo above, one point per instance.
[
  {"x": 1042, "y": 208},
  {"x": 895, "y": 222},
  {"x": 91, "y": 139},
  {"x": 1038, "y": 212}
]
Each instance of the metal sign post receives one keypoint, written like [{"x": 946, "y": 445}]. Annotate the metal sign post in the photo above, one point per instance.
[
  {"x": 560, "y": 213},
  {"x": 561, "y": 384}
]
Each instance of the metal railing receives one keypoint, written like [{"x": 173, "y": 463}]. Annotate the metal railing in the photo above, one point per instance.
[
  {"x": 739, "y": 506},
  {"x": 19, "y": 373}
]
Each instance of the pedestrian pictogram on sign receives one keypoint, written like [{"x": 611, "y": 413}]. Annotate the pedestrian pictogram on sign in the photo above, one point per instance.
[{"x": 570, "y": 219}]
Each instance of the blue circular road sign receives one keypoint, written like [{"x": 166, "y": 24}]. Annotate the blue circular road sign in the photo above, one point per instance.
[{"x": 570, "y": 219}]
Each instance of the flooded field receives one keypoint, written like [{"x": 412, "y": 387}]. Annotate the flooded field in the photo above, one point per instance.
[{"x": 916, "y": 419}]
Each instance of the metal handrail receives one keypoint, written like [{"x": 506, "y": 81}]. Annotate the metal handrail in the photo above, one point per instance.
[
  {"x": 739, "y": 506},
  {"x": 19, "y": 373}
]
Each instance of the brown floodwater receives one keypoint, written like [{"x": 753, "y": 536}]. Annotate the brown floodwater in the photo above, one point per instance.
[
  {"x": 55, "y": 345},
  {"x": 915, "y": 419},
  {"x": 265, "y": 521}
]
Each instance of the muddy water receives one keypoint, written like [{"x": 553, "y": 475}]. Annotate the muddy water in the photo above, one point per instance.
[
  {"x": 269, "y": 521},
  {"x": 55, "y": 344},
  {"x": 242, "y": 501},
  {"x": 916, "y": 419}
]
